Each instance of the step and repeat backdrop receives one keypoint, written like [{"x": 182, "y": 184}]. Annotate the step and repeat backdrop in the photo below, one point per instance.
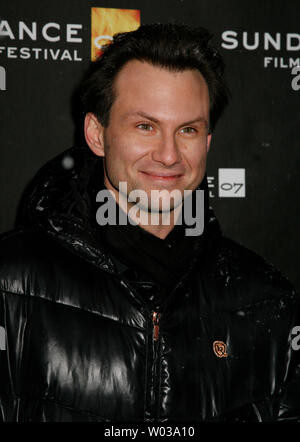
[{"x": 45, "y": 48}]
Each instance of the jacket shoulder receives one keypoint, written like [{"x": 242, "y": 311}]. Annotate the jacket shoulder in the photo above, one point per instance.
[
  {"x": 22, "y": 243},
  {"x": 33, "y": 264},
  {"x": 249, "y": 276},
  {"x": 24, "y": 255}
]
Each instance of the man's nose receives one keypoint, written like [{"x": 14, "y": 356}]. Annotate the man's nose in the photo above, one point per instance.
[{"x": 167, "y": 151}]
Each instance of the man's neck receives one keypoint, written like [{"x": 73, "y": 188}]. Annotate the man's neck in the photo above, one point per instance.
[
  {"x": 158, "y": 224},
  {"x": 160, "y": 231}
]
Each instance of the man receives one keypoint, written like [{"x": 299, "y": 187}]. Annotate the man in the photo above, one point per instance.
[{"x": 124, "y": 322}]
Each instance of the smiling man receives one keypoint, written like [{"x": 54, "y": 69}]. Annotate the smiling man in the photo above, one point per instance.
[
  {"x": 110, "y": 318},
  {"x": 158, "y": 136}
]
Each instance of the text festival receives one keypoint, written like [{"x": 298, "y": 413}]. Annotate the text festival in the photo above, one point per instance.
[{"x": 49, "y": 32}]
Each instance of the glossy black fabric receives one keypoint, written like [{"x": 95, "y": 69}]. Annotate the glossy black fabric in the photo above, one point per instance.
[{"x": 79, "y": 327}]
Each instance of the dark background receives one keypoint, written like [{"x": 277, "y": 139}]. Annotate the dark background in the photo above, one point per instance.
[{"x": 259, "y": 131}]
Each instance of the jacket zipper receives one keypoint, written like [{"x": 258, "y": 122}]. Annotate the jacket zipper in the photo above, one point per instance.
[
  {"x": 156, "y": 381},
  {"x": 155, "y": 321}
]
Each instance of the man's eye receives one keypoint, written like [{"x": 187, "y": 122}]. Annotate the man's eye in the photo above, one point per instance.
[
  {"x": 188, "y": 130},
  {"x": 145, "y": 126}
]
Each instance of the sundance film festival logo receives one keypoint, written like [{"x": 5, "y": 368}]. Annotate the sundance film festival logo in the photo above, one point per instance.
[
  {"x": 155, "y": 210},
  {"x": 24, "y": 36},
  {"x": 271, "y": 43},
  {"x": 232, "y": 183}
]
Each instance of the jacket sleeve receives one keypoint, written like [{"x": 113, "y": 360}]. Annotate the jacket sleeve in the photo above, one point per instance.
[
  {"x": 12, "y": 330},
  {"x": 289, "y": 405},
  {"x": 285, "y": 407}
]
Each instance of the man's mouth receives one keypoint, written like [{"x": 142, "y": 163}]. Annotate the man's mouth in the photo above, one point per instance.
[{"x": 164, "y": 176}]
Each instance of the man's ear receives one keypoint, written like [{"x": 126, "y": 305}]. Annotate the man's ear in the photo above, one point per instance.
[
  {"x": 94, "y": 134},
  {"x": 208, "y": 141}
]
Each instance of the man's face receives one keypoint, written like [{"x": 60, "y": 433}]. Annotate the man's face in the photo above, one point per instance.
[{"x": 157, "y": 136}]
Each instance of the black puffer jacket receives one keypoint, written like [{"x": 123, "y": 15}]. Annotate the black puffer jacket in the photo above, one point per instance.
[{"x": 86, "y": 343}]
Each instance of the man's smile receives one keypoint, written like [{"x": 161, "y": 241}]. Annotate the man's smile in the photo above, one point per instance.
[{"x": 161, "y": 176}]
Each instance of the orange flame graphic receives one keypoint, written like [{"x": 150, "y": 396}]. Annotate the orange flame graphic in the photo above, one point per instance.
[{"x": 108, "y": 21}]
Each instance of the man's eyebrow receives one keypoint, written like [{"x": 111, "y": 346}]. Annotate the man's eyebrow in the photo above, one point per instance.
[
  {"x": 141, "y": 114},
  {"x": 155, "y": 120},
  {"x": 196, "y": 120}
]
